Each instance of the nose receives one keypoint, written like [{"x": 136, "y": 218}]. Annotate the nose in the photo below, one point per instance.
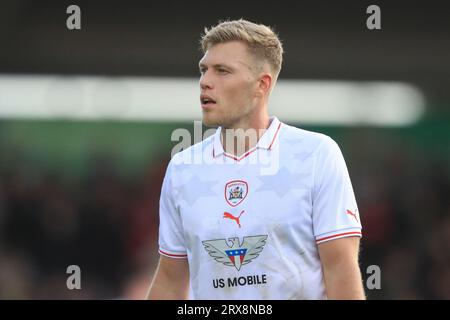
[{"x": 205, "y": 81}]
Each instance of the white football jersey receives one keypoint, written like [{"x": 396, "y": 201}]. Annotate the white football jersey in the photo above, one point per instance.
[{"x": 250, "y": 226}]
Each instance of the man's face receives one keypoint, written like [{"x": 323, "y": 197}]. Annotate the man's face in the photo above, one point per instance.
[{"x": 228, "y": 84}]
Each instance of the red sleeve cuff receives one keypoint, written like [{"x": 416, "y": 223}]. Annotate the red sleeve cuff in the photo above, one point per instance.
[
  {"x": 169, "y": 254},
  {"x": 338, "y": 235}
]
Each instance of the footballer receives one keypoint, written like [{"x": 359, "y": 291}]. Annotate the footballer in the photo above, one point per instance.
[{"x": 267, "y": 215}]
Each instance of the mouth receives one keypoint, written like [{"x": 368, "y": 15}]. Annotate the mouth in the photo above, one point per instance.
[{"x": 207, "y": 102}]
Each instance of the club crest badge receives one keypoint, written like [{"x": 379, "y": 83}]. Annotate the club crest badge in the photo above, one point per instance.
[
  {"x": 232, "y": 253},
  {"x": 235, "y": 192}
]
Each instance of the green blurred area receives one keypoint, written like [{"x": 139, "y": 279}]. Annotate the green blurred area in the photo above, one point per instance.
[{"x": 67, "y": 147}]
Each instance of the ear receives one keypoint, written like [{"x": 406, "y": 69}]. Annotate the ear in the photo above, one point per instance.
[{"x": 265, "y": 83}]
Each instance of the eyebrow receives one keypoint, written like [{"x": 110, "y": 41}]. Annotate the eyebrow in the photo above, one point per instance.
[{"x": 215, "y": 66}]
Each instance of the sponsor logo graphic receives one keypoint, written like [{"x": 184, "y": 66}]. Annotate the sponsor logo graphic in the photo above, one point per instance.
[
  {"x": 255, "y": 279},
  {"x": 230, "y": 216},
  {"x": 235, "y": 192},
  {"x": 235, "y": 254}
]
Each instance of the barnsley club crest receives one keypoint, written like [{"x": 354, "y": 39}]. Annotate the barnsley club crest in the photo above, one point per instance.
[
  {"x": 235, "y": 192},
  {"x": 235, "y": 254}
]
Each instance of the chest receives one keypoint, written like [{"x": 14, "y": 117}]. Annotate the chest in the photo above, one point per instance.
[{"x": 239, "y": 203}]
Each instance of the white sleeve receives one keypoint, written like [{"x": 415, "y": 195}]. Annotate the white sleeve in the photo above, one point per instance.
[
  {"x": 171, "y": 239},
  {"x": 335, "y": 211}
]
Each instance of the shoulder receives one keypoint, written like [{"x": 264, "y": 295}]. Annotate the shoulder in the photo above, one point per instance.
[{"x": 314, "y": 143}]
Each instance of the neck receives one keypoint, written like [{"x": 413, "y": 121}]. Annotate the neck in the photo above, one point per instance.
[{"x": 245, "y": 134}]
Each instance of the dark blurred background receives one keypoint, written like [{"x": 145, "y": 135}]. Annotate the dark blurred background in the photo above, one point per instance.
[{"x": 85, "y": 191}]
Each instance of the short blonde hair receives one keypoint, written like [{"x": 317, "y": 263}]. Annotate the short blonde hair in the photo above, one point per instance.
[{"x": 261, "y": 40}]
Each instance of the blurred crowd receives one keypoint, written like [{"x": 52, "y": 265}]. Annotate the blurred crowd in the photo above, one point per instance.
[
  {"x": 104, "y": 223},
  {"x": 403, "y": 194},
  {"x": 107, "y": 224}
]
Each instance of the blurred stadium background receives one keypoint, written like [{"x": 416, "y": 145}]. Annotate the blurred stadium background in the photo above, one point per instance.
[{"x": 86, "y": 119}]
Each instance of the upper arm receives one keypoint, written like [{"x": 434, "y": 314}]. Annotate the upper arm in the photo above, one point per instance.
[
  {"x": 340, "y": 251},
  {"x": 171, "y": 279},
  {"x": 335, "y": 211},
  {"x": 342, "y": 275},
  {"x": 171, "y": 234},
  {"x": 173, "y": 268}
]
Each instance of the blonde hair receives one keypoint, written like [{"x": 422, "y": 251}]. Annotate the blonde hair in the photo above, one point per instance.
[{"x": 261, "y": 40}]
